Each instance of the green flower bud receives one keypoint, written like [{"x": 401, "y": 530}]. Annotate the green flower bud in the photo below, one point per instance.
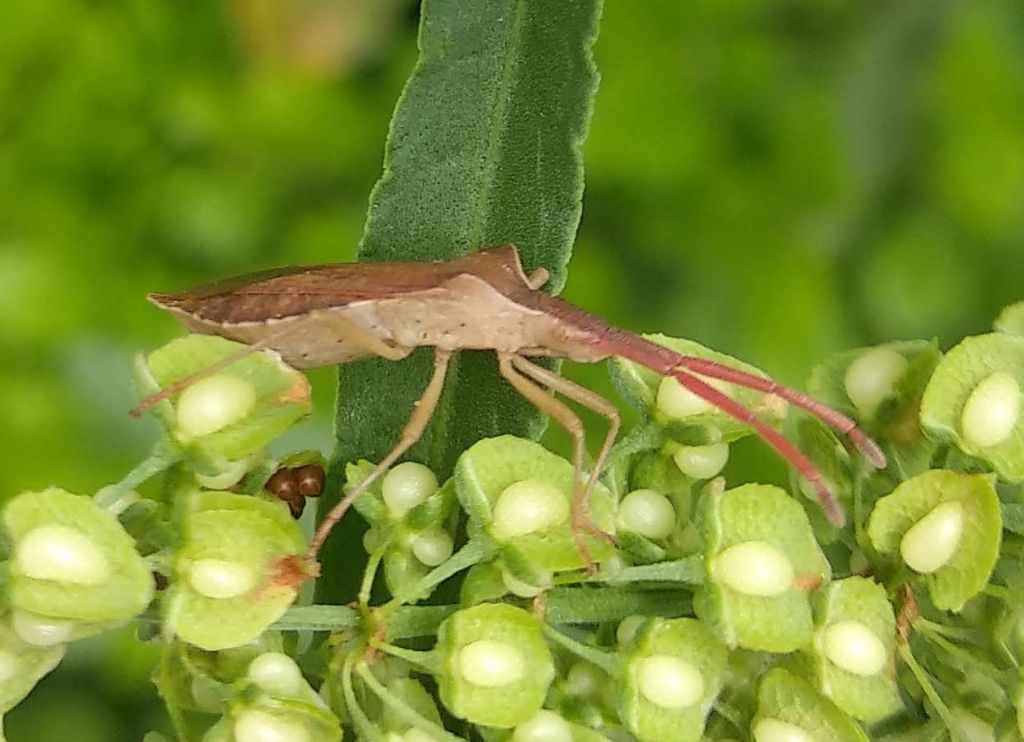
[
  {"x": 528, "y": 506},
  {"x": 853, "y": 647},
  {"x": 220, "y": 578},
  {"x": 432, "y": 547},
  {"x": 754, "y": 568},
  {"x": 407, "y": 485},
  {"x": 276, "y": 673},
  {"x": 584, "y": 679},
  {"x": 701, "y": 462},
  {"x": 669, "y": 682},
  {"x": 676, "y": 402},
  {"x": 254, "y": 725},
  {"x": 212, "y": 404},
  {"x": 41, "y": 631},
  {"x": 872, "y": 377},
  {"x": 628, "y": 627},
  {"x": 930, "y": 543},
  {"x": 546, "y": 726},
  {"x": 497, "y": 668},
  {"x": 491, "y": 664},
  {"x": 648, "y": 513},
  {"x": 991, "y": 411},
  {"x": 775, "y": 730},
  {"x": 525, "y": 589},
  {"x": 62, "y": 554}
]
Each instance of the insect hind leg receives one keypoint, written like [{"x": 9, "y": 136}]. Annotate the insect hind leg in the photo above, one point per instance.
[{"x": 589, "y": 400}]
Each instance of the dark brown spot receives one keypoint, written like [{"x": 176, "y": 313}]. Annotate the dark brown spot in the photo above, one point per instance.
[
  {"x": 310, "y": 480},
  {"x": 282, "y": 484}
]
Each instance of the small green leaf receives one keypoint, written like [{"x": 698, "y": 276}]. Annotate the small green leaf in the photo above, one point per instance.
[
  {"x": 785, "y": 698},
  {"x": 127, "y": 587},
  {"x": 672, "y": 672},
  {"x": 857, "y": 603},
  {"x": 969, "y": 566},
  {"x": 755, "y": 519},
  {"x": 491, "y": 466},
  {"x": 950, "y": 406},
  {"x": 223, "y": 594},
  {"x": 497, "y": 667}
]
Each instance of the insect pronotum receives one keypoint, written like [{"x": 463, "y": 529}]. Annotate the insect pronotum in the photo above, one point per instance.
[{"x": 331, "y": 314}]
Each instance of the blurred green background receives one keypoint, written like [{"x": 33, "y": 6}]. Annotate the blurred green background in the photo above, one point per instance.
[{"x": 778, "y": 180}]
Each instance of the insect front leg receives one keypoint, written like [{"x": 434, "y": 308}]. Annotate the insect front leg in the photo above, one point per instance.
[{"x": 565, "y": 417}]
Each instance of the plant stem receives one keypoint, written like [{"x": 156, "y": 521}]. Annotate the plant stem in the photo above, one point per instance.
[
  {"x": 474, "y": 552},
  {"x": 113, "y": 496},
  {"x": 582, "y": 605},
  {"x": 400, "y": 707},
  {"x": 605, "y": 660},
  {"x": 929, "y": 690},
  {"x": 365, "y": 728}
]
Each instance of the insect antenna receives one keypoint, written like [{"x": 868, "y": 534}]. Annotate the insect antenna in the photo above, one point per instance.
[
  {"x": 833, "y": 418},
  {"x": 773, "y": 438}
]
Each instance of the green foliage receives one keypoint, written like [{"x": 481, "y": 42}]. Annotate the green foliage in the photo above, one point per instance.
[{"x": 732, "y": 174}]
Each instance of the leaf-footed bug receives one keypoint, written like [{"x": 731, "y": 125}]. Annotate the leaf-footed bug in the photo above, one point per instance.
[{"x": 331, "y": 314}]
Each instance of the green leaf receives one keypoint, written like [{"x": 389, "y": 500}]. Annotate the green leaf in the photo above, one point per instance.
[
  {"x": 968, "y": 568},
  {"x": 682, "y": 639},
  {"x": 786, "y": 698},
  {"x": 508, "y": 627},
  {"x": 484, "y": 148},
  {"x": 857, "y": 599},
  {"x": 124, "y": 594},
  {"x": 244, "y": 537},
  {"x": 765, "y": 515},
  {"x": 961, "y": 371}
]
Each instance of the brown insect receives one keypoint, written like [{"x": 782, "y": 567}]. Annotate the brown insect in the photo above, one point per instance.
[{"x": 331, "y": 314}]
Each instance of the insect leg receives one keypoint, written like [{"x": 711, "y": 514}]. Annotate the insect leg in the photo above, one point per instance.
[
  {"x": 414, "y": 427},
  {"x": 585, "y": 398},
  {"x": 565, "y": 417}
]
